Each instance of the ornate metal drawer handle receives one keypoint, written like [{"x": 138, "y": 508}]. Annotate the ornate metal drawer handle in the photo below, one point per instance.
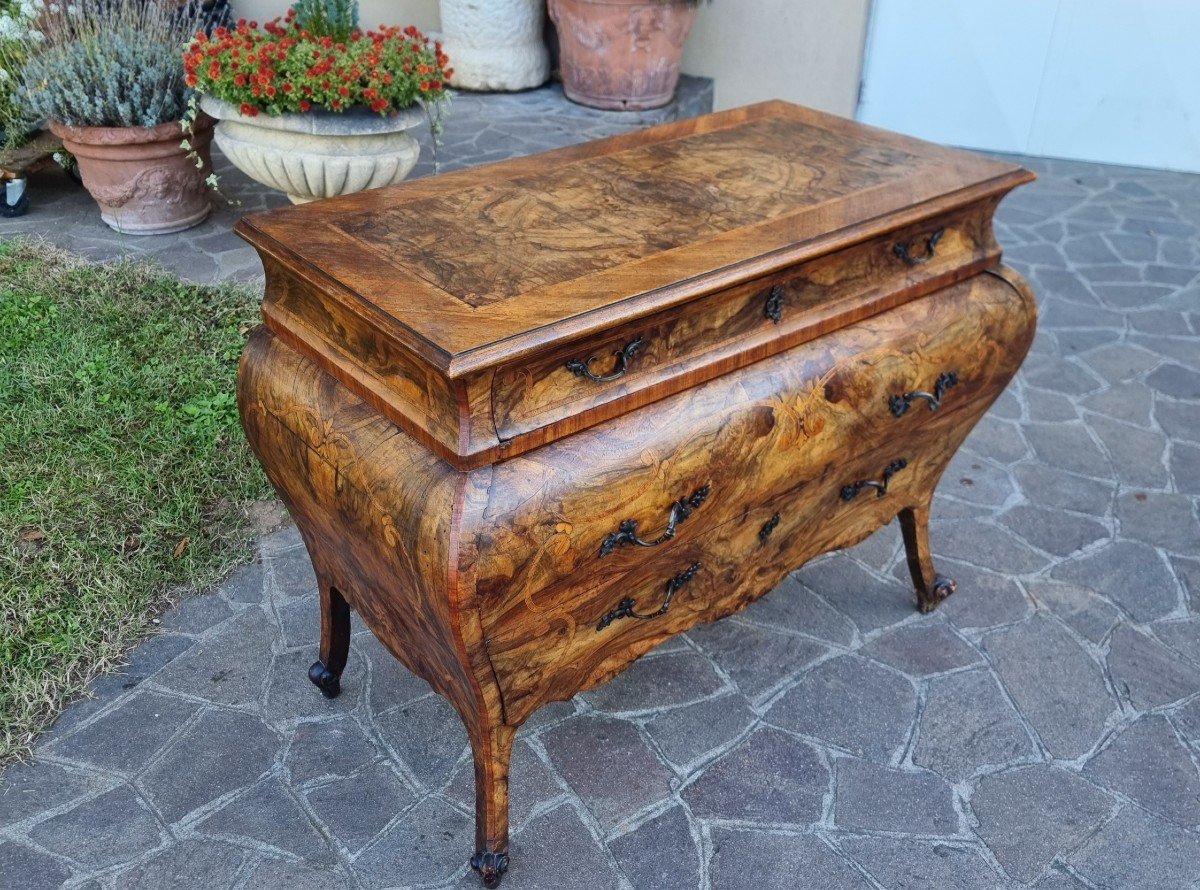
[
  {"x": 626, "y": 532},
  {"x": 901, "y": 403},
  {"x": 774, "y": 308},
  {"x": 624, "y": 356},
  {"x": 625, "y": 608},
  {"x": 768, "y": 527},
  {"x": 850, "y": 492},
  {"x": 903, "y": 249}
]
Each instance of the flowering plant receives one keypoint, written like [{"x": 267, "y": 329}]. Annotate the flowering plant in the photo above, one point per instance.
[
  {"x": 108, "y": 63},
  {"x": 285, "y": 67},
  {"x": 19, "y": 35}
]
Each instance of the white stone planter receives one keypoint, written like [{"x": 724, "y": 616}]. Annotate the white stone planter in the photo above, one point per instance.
[
  {"x": 320, "y": 154},
  {"x": 495, "y": 45}
]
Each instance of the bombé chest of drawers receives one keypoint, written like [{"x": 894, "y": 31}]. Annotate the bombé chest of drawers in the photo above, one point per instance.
[{"x": 534, "y": 419}]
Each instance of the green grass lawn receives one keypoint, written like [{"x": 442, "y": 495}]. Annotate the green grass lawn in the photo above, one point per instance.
[{"x": 124, "y": 475}]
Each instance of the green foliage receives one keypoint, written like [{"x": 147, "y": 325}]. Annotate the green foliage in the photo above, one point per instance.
[
  {"x": 110, "y": 63},
  {"x": 19, "y": 36},
  {"x": 119, "y": 439},
  {"x": 327, "y": 18}
]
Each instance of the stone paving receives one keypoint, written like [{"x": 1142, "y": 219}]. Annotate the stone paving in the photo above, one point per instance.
[
  {"x": 480, "y": 128},
  {"x": 1040, "y": 730}
]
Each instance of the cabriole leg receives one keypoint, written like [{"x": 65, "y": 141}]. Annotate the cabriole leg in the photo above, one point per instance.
[
  {"x": 491, "y": 751},
  {"x": 932, "y": 588},
  {"x": 326, "y": 674}
]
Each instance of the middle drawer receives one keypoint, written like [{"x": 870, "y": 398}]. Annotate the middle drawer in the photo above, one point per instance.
[{"x": 688, "y": 463}]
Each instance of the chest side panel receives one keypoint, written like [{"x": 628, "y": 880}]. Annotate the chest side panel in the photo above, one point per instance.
[{"x": 378, "y": 511}]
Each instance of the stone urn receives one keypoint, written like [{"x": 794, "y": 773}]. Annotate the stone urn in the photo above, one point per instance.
[
  {"x": 318, "y": 154},
  {"x": 621, "y": 54},
  {"x": 495, "y": 45},
  {"x": 141, "y": 177}
]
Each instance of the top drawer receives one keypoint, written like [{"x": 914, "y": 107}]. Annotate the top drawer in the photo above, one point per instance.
[{"x": 579, "y": 383}]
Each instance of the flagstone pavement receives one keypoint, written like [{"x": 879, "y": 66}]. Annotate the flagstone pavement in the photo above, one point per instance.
[{"x": 1042, "y": 729}]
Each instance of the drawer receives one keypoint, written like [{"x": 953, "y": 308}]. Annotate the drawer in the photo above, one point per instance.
[
  {"x": 600, "y": 503},
  {"x": 580, "y": 382},
  {"x": 583, "y": 633}
]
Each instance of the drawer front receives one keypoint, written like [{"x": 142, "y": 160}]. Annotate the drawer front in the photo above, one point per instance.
[
  {"x": 602, "y": 502},
  {"x": 583, "y": 633},
  {"x": 579, "y": 383}
]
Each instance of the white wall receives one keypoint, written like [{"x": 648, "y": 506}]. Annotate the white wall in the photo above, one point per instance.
[
  {"x": 1095, "y": 80},
  {"x": 422, "y": 13},
  {"x": 807, "y": 51}
]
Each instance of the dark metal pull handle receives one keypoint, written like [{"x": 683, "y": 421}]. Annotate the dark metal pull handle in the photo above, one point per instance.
[
  {"x": 850, "y": 492},
  {"x": 627, "y": 531},
  {"x": 774, "y": 308},
  {"x": 768, "y": 527},
  {"x": 904, "y": 249},
  {"x": 625, "y": 608},
  {"x": 624, "y": 356},
  {"x": 901, "y": 403}
]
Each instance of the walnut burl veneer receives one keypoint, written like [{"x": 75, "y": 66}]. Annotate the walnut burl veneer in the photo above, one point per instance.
[{"x": 534, "y": 419}]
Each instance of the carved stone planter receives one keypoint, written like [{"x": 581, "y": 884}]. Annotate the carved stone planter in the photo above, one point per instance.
[
  {"x": 621, "y": 54},
  {"x": 142, "y": 179},
  {"x": 320, "y": 154},
  {"x": 495, "y": 45}
]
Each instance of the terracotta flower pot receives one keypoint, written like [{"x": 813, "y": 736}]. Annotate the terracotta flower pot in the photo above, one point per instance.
[
  {"x": 621, "y": 54},
  {"x": 143, "y": 181}
]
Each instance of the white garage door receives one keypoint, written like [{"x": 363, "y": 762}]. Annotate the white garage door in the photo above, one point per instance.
[{"x": 1116, "y": 81}]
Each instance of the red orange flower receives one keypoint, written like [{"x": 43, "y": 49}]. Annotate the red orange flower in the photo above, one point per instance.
[{"x": 283, "y": 68}]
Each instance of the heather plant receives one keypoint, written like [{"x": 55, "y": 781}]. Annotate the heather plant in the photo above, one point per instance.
[
  {"x": 110, "y": 63},
  {"x": 19, "y": 37},
  {"x": 336, "y": 19}
]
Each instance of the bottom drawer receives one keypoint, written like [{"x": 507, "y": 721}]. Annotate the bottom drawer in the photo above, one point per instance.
[{"x": 590, "y": 635}]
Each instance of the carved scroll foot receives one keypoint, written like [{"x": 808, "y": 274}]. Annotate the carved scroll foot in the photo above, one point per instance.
[
  {"x": 491, "y": 867},
  {"x": 932, "y": 588},
  {"x": 324, "y": 679},
  {"x": 326, "y": 674},
  {"x": 942, "y": 588}
]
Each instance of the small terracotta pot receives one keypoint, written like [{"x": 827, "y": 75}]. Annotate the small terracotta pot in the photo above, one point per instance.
[
  {"x": 621, "y": 54},
  {"x": 141, "y": 178}
]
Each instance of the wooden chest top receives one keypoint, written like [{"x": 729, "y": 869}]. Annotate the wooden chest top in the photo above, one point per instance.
[
  {"x": 471, "y": 267},
  {"x": 493, "y": 310}
]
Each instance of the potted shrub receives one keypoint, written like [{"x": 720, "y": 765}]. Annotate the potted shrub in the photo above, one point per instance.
[
  {"x": 19, "y": 35},
  {"x": 621, "y": 54},
  {"x": 108, "y": 79},
  {"x": 496, "y": 44},
  {"x": 314, "y": 106}
]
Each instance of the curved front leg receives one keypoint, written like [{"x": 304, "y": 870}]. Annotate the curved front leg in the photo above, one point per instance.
[
  {"x": 326, "y": 674},
  {"x": 932, "y": 588},
  {"x": 491, "y": 748}
]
